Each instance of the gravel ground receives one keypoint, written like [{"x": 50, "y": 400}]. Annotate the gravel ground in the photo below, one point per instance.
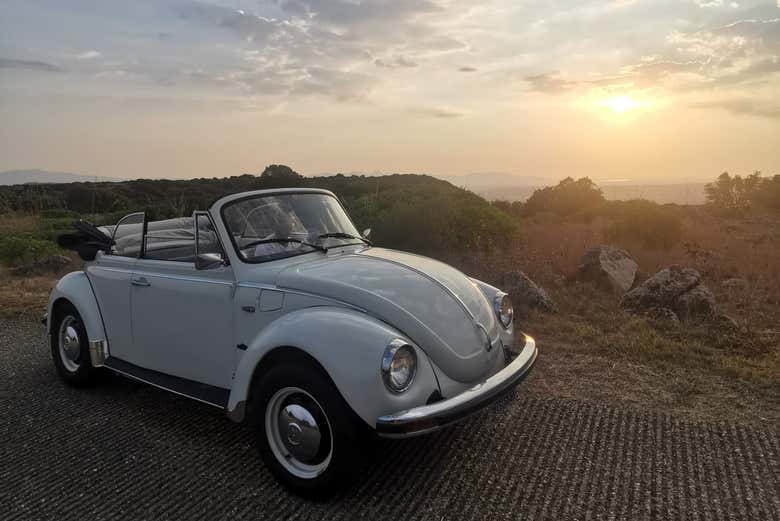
[{"x": 128, "y": 451}]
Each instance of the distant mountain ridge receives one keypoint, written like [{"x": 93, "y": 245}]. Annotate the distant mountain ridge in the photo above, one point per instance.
[{"x": 19, "y": 177}]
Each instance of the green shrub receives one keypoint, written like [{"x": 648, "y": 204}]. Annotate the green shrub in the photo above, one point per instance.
[
  {"x": 565, "y": 198},
  {"x": 59, "y": 213},
  {"x": 651, "y": 224},
  {"x": 16, "y": 250}
]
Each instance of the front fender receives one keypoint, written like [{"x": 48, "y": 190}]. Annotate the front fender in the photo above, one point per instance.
[
  {"x": 76, "y": 288},
  {"x": 349, "y": 345}
]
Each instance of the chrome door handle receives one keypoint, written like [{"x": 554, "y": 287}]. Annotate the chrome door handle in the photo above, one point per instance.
[{"x": 140, "y": 281}]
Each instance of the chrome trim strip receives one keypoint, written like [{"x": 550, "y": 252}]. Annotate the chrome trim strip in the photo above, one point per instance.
[
  {"x": 167, "y": 276},
  {"x": 429, "y": 418},
  {"x": 134, "y": 377},
  {"x": 182, "y": 277}
]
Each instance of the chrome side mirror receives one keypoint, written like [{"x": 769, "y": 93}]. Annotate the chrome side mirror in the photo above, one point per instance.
[
  {"x": 207, "y": 261},
  {"x": 366, "y": 233}
]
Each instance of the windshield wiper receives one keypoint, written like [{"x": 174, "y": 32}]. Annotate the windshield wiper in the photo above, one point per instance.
[
  {"x": 285, "y": 240},
  {"x": 343, "y": 235}
]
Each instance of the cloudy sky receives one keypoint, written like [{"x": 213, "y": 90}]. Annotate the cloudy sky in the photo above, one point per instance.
[{"x": 651, "y": 90}]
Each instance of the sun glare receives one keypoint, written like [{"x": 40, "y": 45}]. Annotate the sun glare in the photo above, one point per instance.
[{"x": 621, "y": 104}]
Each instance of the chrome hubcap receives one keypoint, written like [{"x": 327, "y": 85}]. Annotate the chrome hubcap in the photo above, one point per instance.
[
  {"x": 69, "y": 343},
  {"x": 298, "y": 432}
]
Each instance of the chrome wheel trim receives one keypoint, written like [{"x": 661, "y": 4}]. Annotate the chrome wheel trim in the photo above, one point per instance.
[
  {"x": 298, "y": 432},
  {"x": 69, "y": 343}
]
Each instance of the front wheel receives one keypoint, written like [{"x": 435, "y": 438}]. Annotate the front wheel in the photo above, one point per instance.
[
  {"x": 306, "y": 434},
  {"x": 70, "y": 347}
]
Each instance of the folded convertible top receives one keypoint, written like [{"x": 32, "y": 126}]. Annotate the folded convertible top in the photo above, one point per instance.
[{"x": 87, "y": 240}]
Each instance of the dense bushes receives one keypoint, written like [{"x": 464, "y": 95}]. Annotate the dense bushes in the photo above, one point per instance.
[
  {"x": 18, "y": 249},
  {"x": 644, "y": 222},
  {"x": 566, "y": 198},
  {"x": 734, "y": 195}
]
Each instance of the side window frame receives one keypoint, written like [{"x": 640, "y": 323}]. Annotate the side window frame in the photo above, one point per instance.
[
  {"x": 204, "y": 213},
  {"x": 143, "y": 235}
]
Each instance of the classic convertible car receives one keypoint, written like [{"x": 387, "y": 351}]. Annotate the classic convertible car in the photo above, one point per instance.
[{"x": 273, "y": 307}]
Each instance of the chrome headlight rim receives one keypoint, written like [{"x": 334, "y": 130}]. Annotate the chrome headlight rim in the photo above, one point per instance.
[
  {"x": 498, "y": 306},
  {"x": 392, "y": 349}
]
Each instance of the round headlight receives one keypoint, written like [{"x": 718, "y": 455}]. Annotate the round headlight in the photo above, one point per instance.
[
  {"x": 399, "y": 364},
  {"x": 504, "y": 310}
]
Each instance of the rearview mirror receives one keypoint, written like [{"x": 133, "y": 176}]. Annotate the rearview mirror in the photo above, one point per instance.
[
  {"x": 207, "y": 261},
  {"x": 366, "y": 233}
]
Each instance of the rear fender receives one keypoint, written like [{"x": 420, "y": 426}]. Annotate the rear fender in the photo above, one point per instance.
[{"x": 76, "y": 289}]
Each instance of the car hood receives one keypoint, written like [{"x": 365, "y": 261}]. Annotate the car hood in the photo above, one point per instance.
[{"x": 435, "y": 305}]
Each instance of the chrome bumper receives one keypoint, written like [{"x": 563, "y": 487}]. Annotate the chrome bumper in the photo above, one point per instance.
[{"x": 428, "y": 418}]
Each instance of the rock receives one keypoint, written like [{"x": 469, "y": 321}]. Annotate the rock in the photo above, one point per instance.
[
  {"x": 52, "y": 264},
  {"x": 725, "y": 322},
  {"x": 525, "y": 293},
  {"x": 662, "y": 315},
  {"x": 609, "y": 268},
  {"x": 699, "y": 302},
  {"x": 678, "y": 289},
  {"x": 735, "y": 283},
  {"x": 662, "y": 289}
]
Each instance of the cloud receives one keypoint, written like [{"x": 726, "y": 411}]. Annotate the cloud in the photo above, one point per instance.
[
  {"x": 550, "y": 83},
  {"x": 88, "y": 55},
  {"x": 744, "y": 106},
  {"x": 32, "y": 65},
  {"x": 467, "y": 69},
  {"x": 400, "y": 61},
  {"x": 437, "y": 112}
]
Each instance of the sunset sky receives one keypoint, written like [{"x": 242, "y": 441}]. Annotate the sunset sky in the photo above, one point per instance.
[{"x": 649, "y": 90}]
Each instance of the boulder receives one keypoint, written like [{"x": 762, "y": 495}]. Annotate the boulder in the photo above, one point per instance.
[
  {"x": 609, "y": 268},
  {"x": 678, "y": 289},
  {"x": 525, "y": 293},
  {"x": 726, "y": 323},
  {"x": 663, "y": 316},
  {"x": 51, "y": 264},
  {"x": 699, "y": 302},
  {"x": 662, "y": 289}
]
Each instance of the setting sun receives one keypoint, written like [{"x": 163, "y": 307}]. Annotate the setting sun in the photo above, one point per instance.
[{"x": 621, "y": 104}]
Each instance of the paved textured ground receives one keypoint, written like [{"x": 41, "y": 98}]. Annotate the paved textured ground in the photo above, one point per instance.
[{"x": 128, "y": 451}]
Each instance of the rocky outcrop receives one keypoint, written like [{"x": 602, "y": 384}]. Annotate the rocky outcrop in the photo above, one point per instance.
[
  {"x": 525, "y": 293},
  {"x": 699, "y": 302},
  {"x": 609, "y": 268},
  {"x": 52, "y": 264},
  {"x": 679, "y": 290},
  {"x": 663, "y": 316}
]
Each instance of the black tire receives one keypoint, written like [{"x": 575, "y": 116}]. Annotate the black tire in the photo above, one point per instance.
[
  {"x": 77, "y": 372},
  {"x": 349, "y": 434}
]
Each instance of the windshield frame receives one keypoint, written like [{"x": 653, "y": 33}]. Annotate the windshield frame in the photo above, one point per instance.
[{"x": 273, "y": 193}]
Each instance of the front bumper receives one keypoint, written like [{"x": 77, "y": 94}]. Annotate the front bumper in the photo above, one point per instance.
[{"x": 428, "y": 418}]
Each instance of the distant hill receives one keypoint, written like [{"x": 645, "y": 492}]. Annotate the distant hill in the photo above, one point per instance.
[{"x": 18, "y": 177}]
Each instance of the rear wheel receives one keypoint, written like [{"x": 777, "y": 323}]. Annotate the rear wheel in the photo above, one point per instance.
[
  {"x": 306, "y": 434},
  {"x": 70, "y": 347}
]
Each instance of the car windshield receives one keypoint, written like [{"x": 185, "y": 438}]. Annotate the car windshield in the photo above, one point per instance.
[{"x": 268, "y": 227}]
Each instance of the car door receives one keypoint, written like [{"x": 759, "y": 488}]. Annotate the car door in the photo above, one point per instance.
[
  {"x": 182, "y": 317},
  {"x": 110, "y": 275}
]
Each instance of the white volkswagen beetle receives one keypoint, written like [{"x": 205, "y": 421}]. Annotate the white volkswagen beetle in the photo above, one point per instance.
[{"x": 273, "y": 307}]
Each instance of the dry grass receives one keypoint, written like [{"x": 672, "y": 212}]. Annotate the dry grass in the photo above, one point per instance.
[
  {"x": 25, "y": 296},
  {"x": 695, "y": 367}
]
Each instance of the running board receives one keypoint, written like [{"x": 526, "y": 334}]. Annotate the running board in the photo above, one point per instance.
[{"x": 208, "y": 394}]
